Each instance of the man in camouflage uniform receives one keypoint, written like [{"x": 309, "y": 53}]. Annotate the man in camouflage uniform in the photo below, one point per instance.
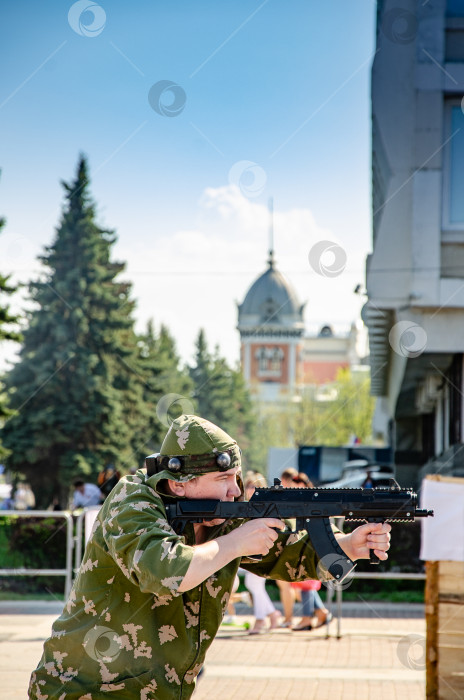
[{"x": 147, "y": 602}]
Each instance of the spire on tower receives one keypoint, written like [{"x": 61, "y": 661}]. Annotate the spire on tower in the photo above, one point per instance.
[{"x": 271, "y": 233}]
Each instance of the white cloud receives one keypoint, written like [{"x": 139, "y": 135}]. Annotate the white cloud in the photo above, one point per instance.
[
  {"x": 200, "y": 274},
  {"x": 192, "y": 279}
]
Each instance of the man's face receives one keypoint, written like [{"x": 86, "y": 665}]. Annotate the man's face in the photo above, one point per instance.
[
  {"x": 221, "y": 486},
  {"x": 218, "y": 485}
]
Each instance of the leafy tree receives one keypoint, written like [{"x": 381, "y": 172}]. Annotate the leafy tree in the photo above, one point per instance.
[
  {"x": 333, "y": 416},
  {"x": 167, "y": 388},
  {"x": 221, "y": 396},
  {"x": 329, "y": 415},
  {"x": 77, "y": 387},
  {"x": 7, "y": 323},
  {"x": 274, "y": 429}
]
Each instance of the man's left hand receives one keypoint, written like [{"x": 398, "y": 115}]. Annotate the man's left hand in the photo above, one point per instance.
[{"x": 357, "y": 544}]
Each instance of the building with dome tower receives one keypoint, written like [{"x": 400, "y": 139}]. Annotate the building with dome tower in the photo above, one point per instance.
[
  {"x": 278, "y": 360},
  {"x": 271, "y": 327}
]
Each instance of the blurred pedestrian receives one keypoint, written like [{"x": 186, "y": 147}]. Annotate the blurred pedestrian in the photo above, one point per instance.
[
  {"x": 315, "y": 614},
  {"x": 7, "y": 502},
  {"x": 229, "y": 618},
  {"x": 368, "y": 482},
  {"x": 107, "y": 479},
  {"x": 85, "y": 494},
  {"x": 24, "y": 498},
  {"x": 301, "y": 481},
  {"x": 263, "y": 607},
  {"x": 55, "y": 504},
  {"x": 287, "y": 476},
  {"x": 287, "y": 594}
]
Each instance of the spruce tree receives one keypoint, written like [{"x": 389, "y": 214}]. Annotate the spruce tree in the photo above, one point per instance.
[
  {"x": 76, "y": 388},
  {"x": 167, "y": 388},
  {"x": 222, "y": 397},
  {"x": 7, "y": 323}
]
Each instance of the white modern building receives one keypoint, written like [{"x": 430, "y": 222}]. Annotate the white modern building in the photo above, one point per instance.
[{"x": 415, "y": 274}]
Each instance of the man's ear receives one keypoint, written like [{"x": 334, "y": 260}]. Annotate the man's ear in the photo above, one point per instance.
[{"x": 177, "y": 488}]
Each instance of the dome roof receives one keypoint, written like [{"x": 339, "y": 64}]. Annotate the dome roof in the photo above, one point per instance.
[{"x": 272, "y": 301}]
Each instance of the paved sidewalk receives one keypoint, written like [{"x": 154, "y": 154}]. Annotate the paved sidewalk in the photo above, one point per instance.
[{"x": 378, "y": 656}]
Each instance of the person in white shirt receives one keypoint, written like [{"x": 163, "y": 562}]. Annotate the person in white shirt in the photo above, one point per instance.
[
  {"x": 86, "y": 495},
  {"x": 24, "y": 498}
]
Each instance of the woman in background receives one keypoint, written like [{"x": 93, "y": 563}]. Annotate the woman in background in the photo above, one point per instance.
[
  {"x": 315, "y": 614},
  {"x": 288, "y": 594},
  {"x": 262, "y": 605}
]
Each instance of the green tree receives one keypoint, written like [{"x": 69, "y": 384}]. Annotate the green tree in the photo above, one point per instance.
[
  {"x": 167, "y": 387},
  {"x": 334, "y": 415},
  {"x": 8, "y": 321},
  {"x": 221, "y": 396},
  {"x": 77, "y": 388},
  {"x": 329, "y": 415}
]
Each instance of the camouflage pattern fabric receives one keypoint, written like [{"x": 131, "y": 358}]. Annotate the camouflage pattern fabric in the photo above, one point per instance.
[
  {"x": 197, "y": 443},
  {"x": 125, "y": 631}
]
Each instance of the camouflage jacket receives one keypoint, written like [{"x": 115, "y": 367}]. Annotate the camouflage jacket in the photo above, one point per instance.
[{"x": 125, "y": 631}]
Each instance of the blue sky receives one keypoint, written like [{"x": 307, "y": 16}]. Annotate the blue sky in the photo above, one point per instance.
[{"x": 281, "y": 85}]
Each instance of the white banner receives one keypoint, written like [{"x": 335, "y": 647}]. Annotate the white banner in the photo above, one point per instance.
[{"x": 443, "y": 535}]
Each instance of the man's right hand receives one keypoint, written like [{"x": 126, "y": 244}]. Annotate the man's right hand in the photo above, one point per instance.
[{"x": 255, "y": 536}]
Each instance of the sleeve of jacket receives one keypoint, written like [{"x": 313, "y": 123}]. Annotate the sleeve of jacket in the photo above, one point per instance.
[
  {"x": 292, "y": 558},
  {"x": 141, "y": 541}
]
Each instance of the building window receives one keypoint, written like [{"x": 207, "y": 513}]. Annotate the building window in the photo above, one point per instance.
[
  {"x": 454, "y": 43},
  {"x": 270, "y": 361},
  {"x": 455, "y": 400},
  {"x": 453, "y": 171}
]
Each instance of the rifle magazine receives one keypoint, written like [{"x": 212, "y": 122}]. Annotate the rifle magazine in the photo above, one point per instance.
[{"x": 333, "y": 562}]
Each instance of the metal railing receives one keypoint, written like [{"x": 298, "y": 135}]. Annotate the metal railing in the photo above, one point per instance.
[
  {"x": 363, "y": 575},
  {"x": 74, "y": 542},
  {"x": 67, "y": 571},
  {"x": 78, "y": 537}
]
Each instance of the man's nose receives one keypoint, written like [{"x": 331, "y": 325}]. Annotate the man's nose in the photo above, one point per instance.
[{"x": 235, "y": 490}]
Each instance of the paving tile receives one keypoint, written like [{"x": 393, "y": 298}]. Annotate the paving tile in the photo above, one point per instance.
[{"x": 362, "y": 664}]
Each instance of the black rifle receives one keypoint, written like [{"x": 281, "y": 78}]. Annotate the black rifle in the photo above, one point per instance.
[{"x": 312, "y": 508}]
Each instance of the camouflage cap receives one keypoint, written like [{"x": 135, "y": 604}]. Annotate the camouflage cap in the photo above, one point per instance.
[{"x": 195, "y": 446}]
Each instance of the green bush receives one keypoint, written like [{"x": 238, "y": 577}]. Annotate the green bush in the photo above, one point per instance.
[{"x": 32, "y": 543}]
